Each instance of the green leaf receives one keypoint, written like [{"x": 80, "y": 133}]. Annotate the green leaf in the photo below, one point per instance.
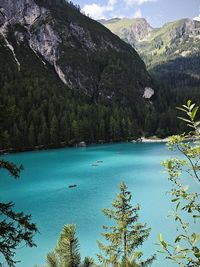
[
  {"x": 183, "y": 119},
  {"x": 194, "y": 112},
  {"x": 162, "y": 242},
  {"x": 196, "y": 216},
  {"x": 185, "y": 107},
  {"x": 164, "y": 245},
  {"x": 190, "y": 125},
  {"x": 197, "y": 123},
  {"x": 189, "y": 103},
  {"x": 179, "y": 257},
  {"x": 175, "y": 199},
  {"x": 182, "y": 109},
  {"x": 160, "y": 237},
  {"x": 191, "y": 107},
  {"x": 169, "y": 165},
  {"x": 177, "y": 206},
  {"x": 177, "y": 239},
  {"x": 197, "y": 255}
]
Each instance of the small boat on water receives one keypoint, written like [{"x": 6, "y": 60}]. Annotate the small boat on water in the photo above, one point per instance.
[
  {"x": 72, "y": 186},
  {"x": 99, "y": 161},
  {"x": 94, "y": 165}
]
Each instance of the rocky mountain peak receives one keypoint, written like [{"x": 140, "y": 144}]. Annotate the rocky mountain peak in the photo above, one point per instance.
[
  {"x": 173, "y": 39},
  {"x": 80, "y": 50},
  {"x": 141, "y": 28},
  {"x": 130, "y": 30},
  {"x": 25, "y": 12}
]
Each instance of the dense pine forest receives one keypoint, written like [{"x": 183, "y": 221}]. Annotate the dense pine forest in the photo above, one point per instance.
[
  {"x": 44, "y": 112},
  {"x": 67, "y": 80},
  {"x": 105, "y": 100}
]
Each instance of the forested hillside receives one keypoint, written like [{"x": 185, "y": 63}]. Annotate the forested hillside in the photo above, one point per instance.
[
  {"x": 171, "y": 52},
  {"x": 66, "y": 78}
]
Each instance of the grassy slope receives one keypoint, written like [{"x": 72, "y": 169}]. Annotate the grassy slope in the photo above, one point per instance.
[
  {"x": 158, "y": 46},
  {"x": 117, "y": 26}
]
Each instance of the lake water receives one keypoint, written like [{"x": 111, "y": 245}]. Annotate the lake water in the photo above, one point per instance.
[{"x": 43, "y": 192}]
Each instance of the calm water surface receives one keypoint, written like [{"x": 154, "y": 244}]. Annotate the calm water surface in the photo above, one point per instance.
[{"x": 43, "y": 192}]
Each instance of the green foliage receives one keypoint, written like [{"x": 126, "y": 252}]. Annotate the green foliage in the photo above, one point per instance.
[
  {"x": 185, "y": 250},
  {"x": 66, "y": 252},
  {"x": 68, "y": 247},
  {"x": 125, "y": 235},
  {"x": 191, "y": 111},
  {"x": 171, "y": 54},
  {"x": 88, "y": 262},
  {"x": 156, "y": 45},
  {"x": 123, "y": 239},
  {"x": 47, "y": 113},
  {"x": 113, "y": 78},
  {"x": 15, "y": 227}
]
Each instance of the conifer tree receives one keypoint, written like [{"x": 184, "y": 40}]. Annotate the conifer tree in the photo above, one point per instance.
[
  {"x": 125, "y": 235},
  {"x": 15, "y": 227},
  {"x": 68, "y": 247},
  {"x": 88, "y": 262},
  {"x": 66, "y": 253}
]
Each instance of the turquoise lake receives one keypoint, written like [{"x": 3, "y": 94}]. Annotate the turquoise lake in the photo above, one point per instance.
[{"x": 42, "y": 191}]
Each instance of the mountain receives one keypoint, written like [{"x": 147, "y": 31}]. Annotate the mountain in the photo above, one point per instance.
[
  {"x": 65, "y": 77},
  {"x": 155, "y": 45},
  {"x": 132, "y": 31},
  {"x": 73, "y": 44},
  {"x": 171, "y": 53}
]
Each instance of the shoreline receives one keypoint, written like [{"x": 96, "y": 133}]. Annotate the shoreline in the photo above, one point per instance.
[
  {"x": 7, "y": 151},
  {"x": 79, "y": 144},
  {"x": 151, "y": 140}
]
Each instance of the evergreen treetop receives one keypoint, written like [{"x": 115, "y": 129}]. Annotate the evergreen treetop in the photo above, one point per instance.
[{"x": 125, "y": 235}]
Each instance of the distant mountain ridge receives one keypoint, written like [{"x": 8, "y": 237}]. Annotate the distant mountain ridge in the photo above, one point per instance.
[
  {"x": 171, "y": 52},
  {"x": 174, "y": 39}
]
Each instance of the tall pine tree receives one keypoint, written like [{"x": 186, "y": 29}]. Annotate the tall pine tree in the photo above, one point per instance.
[
  {"x": 125, "y": 235},
  {"x": 66, "y": 253},
  {"x": 68, "y": 247}
]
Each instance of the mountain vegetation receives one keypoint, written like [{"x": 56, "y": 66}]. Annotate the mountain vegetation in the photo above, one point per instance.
[
  {"x": 16, "y": 228},
  {"x": 124, "y": 237},
  {"x": 67, "y": 78},
  {"x": 125, "y": 234},
  {"x": 171, "y": 53},
  {"x": 66, "y": 253},
  {"x": 184, "y": 250},
  {"x": 158, "y": 45}
]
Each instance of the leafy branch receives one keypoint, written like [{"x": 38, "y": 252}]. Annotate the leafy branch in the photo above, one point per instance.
[{"x": 184, "y": 251}]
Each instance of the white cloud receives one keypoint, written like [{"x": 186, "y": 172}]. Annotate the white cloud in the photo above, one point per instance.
[
  {"x": 95, "y": 11},
  {"x": 197, "y": 18},
  {"x": 138, "y": 14},
  {"x": 99, "y": 11},
  {"x": 114, "y": 8},
  {"x": 112, "y": 2},
  {"x": 137, "y": 2}
]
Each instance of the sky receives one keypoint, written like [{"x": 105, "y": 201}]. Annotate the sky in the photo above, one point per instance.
[{"x": 157, "y": 12}]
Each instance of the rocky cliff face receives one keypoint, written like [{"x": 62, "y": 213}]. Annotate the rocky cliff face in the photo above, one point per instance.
[
  {"x": 42, "y": 40},
  {"x": 67, "y": 77},
  {"x": 130, "y": 30},
  {"x": 77, "y": 47}
]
